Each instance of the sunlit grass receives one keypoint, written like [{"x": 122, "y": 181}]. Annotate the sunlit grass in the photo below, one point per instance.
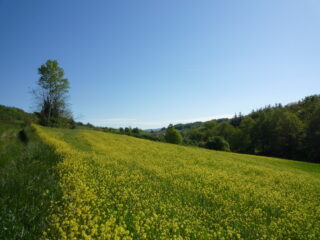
[{"x": 119, "y": 187}]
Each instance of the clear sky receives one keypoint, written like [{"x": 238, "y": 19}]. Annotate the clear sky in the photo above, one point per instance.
[{"x": 149, "y": 63}]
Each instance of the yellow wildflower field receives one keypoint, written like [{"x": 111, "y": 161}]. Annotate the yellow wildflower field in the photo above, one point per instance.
[{"x": 120, "y": 187}]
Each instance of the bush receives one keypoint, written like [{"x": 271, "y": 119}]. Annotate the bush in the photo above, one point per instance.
[
  {"x": 173, "y": 135},
  {"x": 58, "y": 122},
  {"x": 218, "y": 143}
]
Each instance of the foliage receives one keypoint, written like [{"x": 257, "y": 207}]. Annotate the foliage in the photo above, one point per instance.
[
  {"x": 187, "y": 126},
  {"x": 136, "y": 189},
  {"x": 290, "y": 131},
  {"x": 172, "y": 135},
  {"x": 218, "y": 143},
  {"x": 52, "y": 94},
  {"x": 312, "y": 141},
  {"x": 246, "y": 143}
]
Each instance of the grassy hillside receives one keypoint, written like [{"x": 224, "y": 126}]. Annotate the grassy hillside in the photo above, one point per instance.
[
  {"x": 119, "y": 187},
  {"x": 27, "y": 182},
  {"x": 15, "y": 114},
  {"x": 10, "y": 144}
]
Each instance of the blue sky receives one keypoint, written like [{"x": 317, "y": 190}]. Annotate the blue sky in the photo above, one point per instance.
[{"x": 151, "y": 63}]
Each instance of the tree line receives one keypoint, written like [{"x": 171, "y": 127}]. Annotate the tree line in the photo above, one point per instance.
[{"x": 291, "y": 131}]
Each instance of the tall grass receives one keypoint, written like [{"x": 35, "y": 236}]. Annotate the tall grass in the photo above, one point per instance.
[{"x": 28, "y": 182}]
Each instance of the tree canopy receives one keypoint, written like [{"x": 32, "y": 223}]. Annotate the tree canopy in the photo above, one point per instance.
[{"x": 52, "y": 93}]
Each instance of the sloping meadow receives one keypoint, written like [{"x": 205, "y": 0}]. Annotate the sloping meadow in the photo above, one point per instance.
[{"x": 120, "y": 187}]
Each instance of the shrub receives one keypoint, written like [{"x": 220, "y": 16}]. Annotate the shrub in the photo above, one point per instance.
[
  {"x": 218, "y": 143},
  {"x": 173, "y": 135}
]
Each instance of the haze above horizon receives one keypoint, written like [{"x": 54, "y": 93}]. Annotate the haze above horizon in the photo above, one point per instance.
[{"x": 150, "y": 63}]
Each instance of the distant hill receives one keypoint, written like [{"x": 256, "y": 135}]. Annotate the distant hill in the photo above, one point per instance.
[{"x": 185, "y": 126}]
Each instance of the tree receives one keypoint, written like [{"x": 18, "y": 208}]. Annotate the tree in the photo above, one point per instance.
[
  {"x": 289, "y": 129},
  {"x": 127, "y": 130},
  {"x": 278, "y": 133},
  {"x": 264, "y": 132},
  {"x": 172, "y": 135},
  {"x": 313, "y": 137},
  {"x": 229, "y": 133},
  {"x": 236, "y": 120},
  {"x": 136, "y": 131},
  {"x": 218, "y": 143},
  {"x": 52, "y": 93},
  {"x": 193, "y": 136},
  {"x": 208, "y": 129},
  {"x": 245, "y": 137}
]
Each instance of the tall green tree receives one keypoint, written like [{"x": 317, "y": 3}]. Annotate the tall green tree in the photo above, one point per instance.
[
  {"x": 52, "y": 93},
  {"x": 246, "y": 144},
  {"x": 229, "y": 133},
  {"x": 289, "y": 129},
  {"x": 172, "y": 135},
  {"x": 313, "y": 137}
]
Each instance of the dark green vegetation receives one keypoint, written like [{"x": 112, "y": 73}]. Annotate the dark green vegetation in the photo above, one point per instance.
[
  {"x": 27, "y": 182},
  {"x": 218, "y": 143},
  {"x": 291, "y": 131},
  {"x": 173, "y": 135}
]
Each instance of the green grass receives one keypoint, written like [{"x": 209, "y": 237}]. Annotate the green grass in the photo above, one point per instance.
[
  {"x": 120, "y": 186},
  {"x": 10, "y": 145},
  {"x": 26, "y": 173}
]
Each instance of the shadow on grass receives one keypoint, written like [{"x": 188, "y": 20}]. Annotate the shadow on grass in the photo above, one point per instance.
[{"x": 27, "y": 186}]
